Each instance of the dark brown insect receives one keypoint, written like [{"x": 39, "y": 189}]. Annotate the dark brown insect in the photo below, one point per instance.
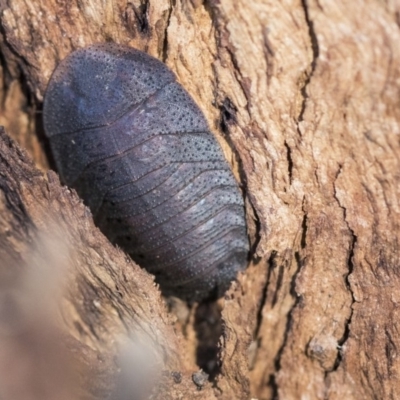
[{"x": 138, "y": 150}]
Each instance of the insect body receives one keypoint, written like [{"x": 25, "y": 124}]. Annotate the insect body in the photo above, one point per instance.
[{"x": 138, "y": 150}]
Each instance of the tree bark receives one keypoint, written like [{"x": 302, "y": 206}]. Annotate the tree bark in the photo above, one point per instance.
[{"x": 304, "y": 99}]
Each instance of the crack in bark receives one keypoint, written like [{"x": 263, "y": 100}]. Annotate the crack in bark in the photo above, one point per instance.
[
  {"x": 269, "y": 54},
  {"x": 137, "y": 15},
  {"x": 21, "y": 59},
  {"x": 350, "y": 266},
  {"x": 278, "y": 287},
  {"x": 223, "y": 42},
  {"x": 277, "y": 360},
  {"x": 315, "y": 51},
  {"x": 254, "y": 241},
  {"x": 297, "y": 300},
  {"x": 165, "y": 42},
  {"x": 228, "y": 117},
  {"x": 239, "y": 77},
  {"x": 290, "y": 161},
  {"x": 271, "y": 266},
  {"x": 207, "y": 325},
  {"x": 6, "y": 78}
]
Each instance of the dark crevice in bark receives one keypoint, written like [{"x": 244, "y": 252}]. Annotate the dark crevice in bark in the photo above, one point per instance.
[
  {"x": 136, "y": 19},
  {"x": 42, "y": 138},
  {"x": 350, "y": 265},
  {"x": 279, "y": 282},
  {"x": 390, "y": 351},
  {"x": 6, "y": 78},
  {"x": 239, "y": 77},
  {"x": 221, "y": 36},
  {"x": 274, "y": 387},
  {"x": 315, "y": 51},
  {"x": 141, "y": 15},
  {"x": 165, "y": 43},
  {"x": 290, "y": 161},
  {"x": 277, "y": 360},
  {"x": 254, "y": 241},
  {"x": 227, "y": 120},
  {"x": 14, "y": 70},
  {"x": 32, "y": 106},
  {"x": 223, "y": 43},
  {"x": 209, "y": 9},
  {"x": 208, "y": 327},
  {"x": 264, "y": 292},
  {"x": 228, "y": 117},
  {"x": 346, "y": 332},
  {"x": 24, "y": 68},
  {"x": 297, "y": 299},
  {"x": 304, "y": 231}
]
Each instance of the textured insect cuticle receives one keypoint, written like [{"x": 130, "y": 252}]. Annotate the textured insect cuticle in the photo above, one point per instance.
[{"x": 139, "y": 152}]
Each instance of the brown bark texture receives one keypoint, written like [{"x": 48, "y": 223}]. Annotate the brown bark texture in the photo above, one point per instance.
[{"x": 304, "y": 97}]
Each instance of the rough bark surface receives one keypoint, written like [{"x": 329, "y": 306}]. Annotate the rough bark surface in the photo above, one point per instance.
[{"x": 304, "y": 98}]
